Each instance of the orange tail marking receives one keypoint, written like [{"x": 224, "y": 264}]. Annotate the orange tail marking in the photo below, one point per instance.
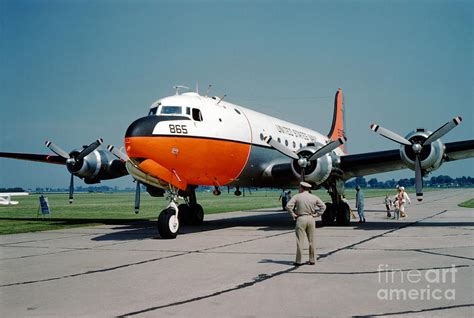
[{"x": 337, "y": 128}]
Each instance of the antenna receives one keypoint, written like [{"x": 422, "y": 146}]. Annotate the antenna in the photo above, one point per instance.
[
  {"x": 220, "y": 100},
  {"x": 178, "y": 87},
  {"x": 208, "y": 88},
  {"x": 197, "y": 87}
]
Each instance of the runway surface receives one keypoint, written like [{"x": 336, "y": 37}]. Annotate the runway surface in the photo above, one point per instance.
[{"x": 240, "y": 264}]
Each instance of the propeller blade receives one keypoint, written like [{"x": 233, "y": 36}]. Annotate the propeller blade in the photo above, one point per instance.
[
  {"x": 284, "y": 150},
  {"x": 328, "y": 148},
  {"x": 71, "y": 189},
  {"x": 56, "y": 149},
  {"x": 418, "y": 179},
  {"x": 117, "y": 153},
  {"x": 137, "y": 198},
  {"x": 390, "y": 135},
  {"x": 443, "y": 130},
  {"x": 93, "y": 146}
]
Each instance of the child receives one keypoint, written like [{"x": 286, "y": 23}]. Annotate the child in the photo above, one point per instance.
[{"x": 396, "y": 212}]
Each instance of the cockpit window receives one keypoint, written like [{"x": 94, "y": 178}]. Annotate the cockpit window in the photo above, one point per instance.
[
  {"x": 171, "y": 110},
  {"x": 197, "y": 116},
  {"x": 152, "y": 111}
]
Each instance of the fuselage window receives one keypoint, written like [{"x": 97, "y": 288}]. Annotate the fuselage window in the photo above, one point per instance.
[
  {"x": 171, "y": 110},
  {"x": 188, "y": 111},
  {"x": 152, "y": 111},
  {"x": 286, "y": 142},
  {"x": 279, "y": 140},
  {"x": 294, "y": 144},
  {"x": 237, "y": 111},
  {"x": 197, "y": 114},
  {"x": 261, "y": 136}
]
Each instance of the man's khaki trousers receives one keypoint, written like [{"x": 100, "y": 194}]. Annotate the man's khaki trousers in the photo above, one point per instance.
[{"x": 305, "y": 226}]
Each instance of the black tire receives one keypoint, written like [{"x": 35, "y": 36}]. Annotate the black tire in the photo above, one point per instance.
[
  {"x": 328, "y": 216},
  {"x": 343, "y": 214},
  {"x": 197, "y": 214},
  {"x": 184, "y": 214},
  {"x": 165, "y": 228}
]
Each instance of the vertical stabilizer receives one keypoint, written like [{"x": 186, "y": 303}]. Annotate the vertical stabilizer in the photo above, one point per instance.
[{"x": 337, "y": 128}]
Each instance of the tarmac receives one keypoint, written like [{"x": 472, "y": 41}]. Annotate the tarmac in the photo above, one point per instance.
[{"x": 239, "y": 264}]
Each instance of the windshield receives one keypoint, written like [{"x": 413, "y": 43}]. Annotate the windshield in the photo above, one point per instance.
[
  {"x": 169, "y": 110},
  {"x": 152, "y": 111}
]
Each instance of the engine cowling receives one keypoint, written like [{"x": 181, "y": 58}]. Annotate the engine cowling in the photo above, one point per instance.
[
  {"x": 431, "y": 155},
  {"x": 96, "y": 166},
  {"x": 317, "y": 171}
]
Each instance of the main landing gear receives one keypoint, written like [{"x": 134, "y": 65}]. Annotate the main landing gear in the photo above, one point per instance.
[
  {"x": 189, "y": 213},
  {"x": 338, "y": 211}
]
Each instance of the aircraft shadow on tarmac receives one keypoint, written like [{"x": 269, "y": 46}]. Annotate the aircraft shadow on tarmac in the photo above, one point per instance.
[{"x": 276, "y": 221}]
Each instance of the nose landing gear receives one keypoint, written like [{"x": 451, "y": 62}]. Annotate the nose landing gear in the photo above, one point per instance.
[{"x": 188, "y": 213}]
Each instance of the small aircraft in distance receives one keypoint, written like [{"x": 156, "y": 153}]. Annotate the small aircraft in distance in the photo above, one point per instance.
[
  {"x": 5, "y": 198},
  {"x": 187, "y": 140}
]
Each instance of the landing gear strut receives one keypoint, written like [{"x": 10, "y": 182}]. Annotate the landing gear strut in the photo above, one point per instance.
[{"x": 338, "y": 211}]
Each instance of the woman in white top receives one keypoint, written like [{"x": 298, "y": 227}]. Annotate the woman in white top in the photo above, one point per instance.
[{"x": 402, "y": 198}]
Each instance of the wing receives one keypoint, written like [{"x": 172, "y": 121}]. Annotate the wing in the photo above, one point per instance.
[
  {"x": 390, "y": 160},
  {"x": 34, "y": 157}
]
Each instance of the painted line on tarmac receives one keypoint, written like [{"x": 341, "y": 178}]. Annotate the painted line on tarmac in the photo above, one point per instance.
[
  {"x": 402, "y": 226},
  {"x": 383, "y": 271},
  {"x": 260, "y": 278},
  {"x": 417, "y": 311},
  {"x": 264, "y": 277},
  {"x": 447, "y": 255},
  {"x": 140, "y": 262}
]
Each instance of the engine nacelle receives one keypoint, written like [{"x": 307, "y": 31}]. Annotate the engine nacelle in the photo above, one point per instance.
[
  {"x": 318, "y": 170},
  {"x": 431, "y": 156},
  {"x": 96, "y": 166}
]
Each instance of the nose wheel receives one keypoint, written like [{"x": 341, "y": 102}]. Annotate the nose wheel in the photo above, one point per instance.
[{"x": 168, "y": 223}]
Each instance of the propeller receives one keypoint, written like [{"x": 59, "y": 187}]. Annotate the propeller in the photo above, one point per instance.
[
  {"x": 417, "y": 146},
  {"x": 72, "y": 159},
  {"x": 303, "y": 162},
  {"x": 117, "y": 153}
]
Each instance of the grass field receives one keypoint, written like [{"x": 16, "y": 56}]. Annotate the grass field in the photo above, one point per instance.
[
  {"x": 467, "y": 204},
  {"x": 117, "y": 208}
]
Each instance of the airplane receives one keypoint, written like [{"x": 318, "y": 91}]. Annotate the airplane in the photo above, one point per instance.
[
  {"x": 187, "y": 140},
  {"x": 5, "y": 198}
]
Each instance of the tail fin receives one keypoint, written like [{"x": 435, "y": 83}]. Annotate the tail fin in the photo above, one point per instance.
[{"x": 337, "y": 128}]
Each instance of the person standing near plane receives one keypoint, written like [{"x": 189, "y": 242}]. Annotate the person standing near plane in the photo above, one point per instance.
[
  {"x": 388, "y": 202},
  {"x": 285, "y": 196},
  {"x": 304, "y": 207},
  {"x": 402, "y": 198},
  {"x": 360, "y": 204}
]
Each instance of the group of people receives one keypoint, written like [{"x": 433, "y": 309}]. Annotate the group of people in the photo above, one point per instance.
[
  {"x": 304, "y": 207},
  {"x": 398, "y": 202}
]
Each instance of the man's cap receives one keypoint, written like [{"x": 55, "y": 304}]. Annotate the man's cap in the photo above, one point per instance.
[
  {"x": 402, "y": 188},
  {"x": 357, "y": 187},
  {"x": 305, "y": 184}
]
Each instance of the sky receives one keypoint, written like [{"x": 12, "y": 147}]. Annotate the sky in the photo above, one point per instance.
[{"x": 74, "y": 71}]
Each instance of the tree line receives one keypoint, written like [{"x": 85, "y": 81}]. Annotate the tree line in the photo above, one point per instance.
[{"x": 439, "y": 181}]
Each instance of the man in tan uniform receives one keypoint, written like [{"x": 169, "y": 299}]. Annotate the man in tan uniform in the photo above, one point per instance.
[{"x": 304, "y": 207}]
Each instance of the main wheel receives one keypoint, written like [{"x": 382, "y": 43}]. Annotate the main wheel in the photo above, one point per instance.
[
  {"x": 185, "y": 214},
  {"x": 168, "y": 224},
  {"x": 197, "y": 214},
  {"x": 328, "y": 216},
  {"x": 343, "y": 214}
]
